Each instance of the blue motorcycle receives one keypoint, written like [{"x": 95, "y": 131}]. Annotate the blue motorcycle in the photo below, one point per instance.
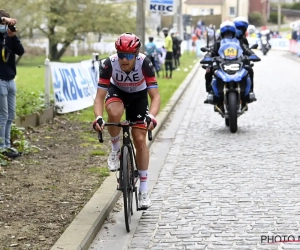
[{"x": 231, "y": 83}]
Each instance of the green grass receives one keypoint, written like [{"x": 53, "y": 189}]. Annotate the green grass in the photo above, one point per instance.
[
  {"x": 285, "y": 29},
  {"x": 167, "y": 87},
  {"x": 97, "y": 152},
  {"x": 98, "y": 170}
]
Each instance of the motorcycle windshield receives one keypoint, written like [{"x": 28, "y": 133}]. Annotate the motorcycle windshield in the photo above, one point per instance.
[{"x": 230, "y": 50}]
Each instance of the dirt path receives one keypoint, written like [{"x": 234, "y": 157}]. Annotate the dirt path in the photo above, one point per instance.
[{"x": 42, "y": 192}]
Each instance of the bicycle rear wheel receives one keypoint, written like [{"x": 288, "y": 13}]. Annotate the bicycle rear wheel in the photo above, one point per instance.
[{"x": 127, "y": 188}]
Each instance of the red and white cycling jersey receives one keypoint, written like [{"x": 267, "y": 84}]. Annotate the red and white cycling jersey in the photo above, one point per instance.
[{"x": 142, "y": 76}]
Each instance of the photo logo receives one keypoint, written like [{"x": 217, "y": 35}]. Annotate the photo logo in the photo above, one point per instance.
[{"x": 273, "y": 239}]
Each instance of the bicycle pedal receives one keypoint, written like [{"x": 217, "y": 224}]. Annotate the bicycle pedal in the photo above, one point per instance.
[{"x": 136, "y": 173}]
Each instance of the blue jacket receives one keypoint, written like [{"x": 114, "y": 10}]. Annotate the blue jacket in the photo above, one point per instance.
[{"x": 150, "y": 48}]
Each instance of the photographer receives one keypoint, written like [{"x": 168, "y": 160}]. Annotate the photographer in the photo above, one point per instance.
[
  {"x": 10, "y": 46},
  {"x": 7, "y": 20}
]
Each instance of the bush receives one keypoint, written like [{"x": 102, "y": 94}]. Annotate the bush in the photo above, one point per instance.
[
  {"x": 256, "y": 18},
  {"x": 19, "y": 142},
  {"x": 293, "y": 6},
  {"x": 274, "y": 17},
  {"x": 28, "y": 102},
  {"x": 285, "y": 5}
]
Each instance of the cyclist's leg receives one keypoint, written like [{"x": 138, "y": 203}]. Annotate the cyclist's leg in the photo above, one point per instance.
[
  {"x": 136, "y": 111},
  {"x": 115, "y": 109}
]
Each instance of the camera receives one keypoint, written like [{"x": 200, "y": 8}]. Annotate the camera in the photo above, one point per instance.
[{"x": 12, "y": 28}]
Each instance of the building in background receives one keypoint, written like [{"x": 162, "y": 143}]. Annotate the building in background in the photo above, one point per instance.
[
  {"x": 221, "y": 9},
  {"x": 234, "y": 8},
  {"x": 261, "y": 6},
  {"x": 202, "y": 7}
]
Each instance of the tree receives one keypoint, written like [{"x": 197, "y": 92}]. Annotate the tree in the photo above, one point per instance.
[
  {"x": 256, "y": 18},
  {"x": 64, "y": 21}
]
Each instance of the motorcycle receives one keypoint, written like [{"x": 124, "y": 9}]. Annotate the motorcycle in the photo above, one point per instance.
[
  {"x": 265, "y": 46},
  {"x": 231, "y": 83}
]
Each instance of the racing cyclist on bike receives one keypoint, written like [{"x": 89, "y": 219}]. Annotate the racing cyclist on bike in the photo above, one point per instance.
[{"x": 125, "y": 80}]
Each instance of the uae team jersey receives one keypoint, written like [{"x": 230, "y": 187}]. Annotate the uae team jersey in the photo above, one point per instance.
[{"x": 142, "y": 76}]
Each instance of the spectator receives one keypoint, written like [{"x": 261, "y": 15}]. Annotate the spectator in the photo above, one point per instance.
[
  {"x": 158, "y": 30},
  {"x": 151, "y": 51},
  {"x": 169, "y": 55},
  {"x": 179, "y": 50},
  {"x": 10, "y": 46},
  {"x": 176, "y": 49}
]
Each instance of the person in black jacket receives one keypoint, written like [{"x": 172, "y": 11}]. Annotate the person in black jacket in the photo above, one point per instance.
[
  {"x": 227, "y": 30},
  {"x": 176, "y": 49},
  {"x": 10, "y": 46}
]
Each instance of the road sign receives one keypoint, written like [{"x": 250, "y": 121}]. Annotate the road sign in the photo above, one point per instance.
[{"x": 165, "y": 7}]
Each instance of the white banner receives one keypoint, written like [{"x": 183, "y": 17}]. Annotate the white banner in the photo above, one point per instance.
[
  {"x": 166, "y": 7},
  {"x": 277, "y": 43},
  {"x": 93, "y": 68},
  {"x": 73, "y": 86},
  {"x": 280, "y": 43}
]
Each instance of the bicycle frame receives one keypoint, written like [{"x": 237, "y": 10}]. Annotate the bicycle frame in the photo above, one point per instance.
[{"x": 127, "y": 140}]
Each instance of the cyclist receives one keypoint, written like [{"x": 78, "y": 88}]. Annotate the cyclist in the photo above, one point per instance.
[{"x": 125, "y": 80}]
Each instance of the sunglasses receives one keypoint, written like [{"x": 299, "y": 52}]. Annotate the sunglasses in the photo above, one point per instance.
[{"x": 126, "y": 55}]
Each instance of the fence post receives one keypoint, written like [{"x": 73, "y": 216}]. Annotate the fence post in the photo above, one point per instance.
[{"x": 47, "y": 82}]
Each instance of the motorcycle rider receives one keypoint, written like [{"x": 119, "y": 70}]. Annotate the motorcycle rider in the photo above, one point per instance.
[
  {"x": 265, "y": 32},
  {"x": 227, "y": 31},
  {"x": 241, "y": 25}
]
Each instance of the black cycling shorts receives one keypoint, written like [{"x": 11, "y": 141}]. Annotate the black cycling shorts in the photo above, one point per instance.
[{"x": 135, "y": 104}]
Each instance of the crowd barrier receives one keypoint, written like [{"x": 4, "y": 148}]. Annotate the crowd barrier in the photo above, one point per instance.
[
  {"x": 276, "y": 43},
  {"x": 294, "y": 47},
  {"x": 74, "y": 84}
]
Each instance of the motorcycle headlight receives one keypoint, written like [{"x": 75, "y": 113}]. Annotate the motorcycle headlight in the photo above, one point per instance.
[{"x": 231, "y": 68}]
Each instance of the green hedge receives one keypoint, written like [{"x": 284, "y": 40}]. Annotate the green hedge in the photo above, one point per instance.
[
  {"x": 274, "y": 17},
  {"x": 256, "y": 18}
]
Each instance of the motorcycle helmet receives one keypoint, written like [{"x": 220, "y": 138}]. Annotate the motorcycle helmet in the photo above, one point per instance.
[
  {"x": 227, "y": 29},
  {"x": 241, "y": 24}
]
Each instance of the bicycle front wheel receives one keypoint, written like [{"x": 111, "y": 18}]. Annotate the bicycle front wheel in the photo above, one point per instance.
[{"x": 127, "y": 186}]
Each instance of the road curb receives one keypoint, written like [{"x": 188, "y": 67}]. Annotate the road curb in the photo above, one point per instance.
[{"x": 84, "y": 228}]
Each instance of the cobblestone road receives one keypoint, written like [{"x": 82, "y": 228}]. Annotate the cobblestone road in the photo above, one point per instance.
[{"x": 219, "y": 190}]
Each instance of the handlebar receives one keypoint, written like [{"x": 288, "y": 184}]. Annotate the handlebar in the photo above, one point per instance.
[{"x": 126, "y": 124}]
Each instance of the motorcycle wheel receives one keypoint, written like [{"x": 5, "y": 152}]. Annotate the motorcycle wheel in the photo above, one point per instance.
[
  {"x": 265, "y": 52},
  {"x": 232, "y": 110}
]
